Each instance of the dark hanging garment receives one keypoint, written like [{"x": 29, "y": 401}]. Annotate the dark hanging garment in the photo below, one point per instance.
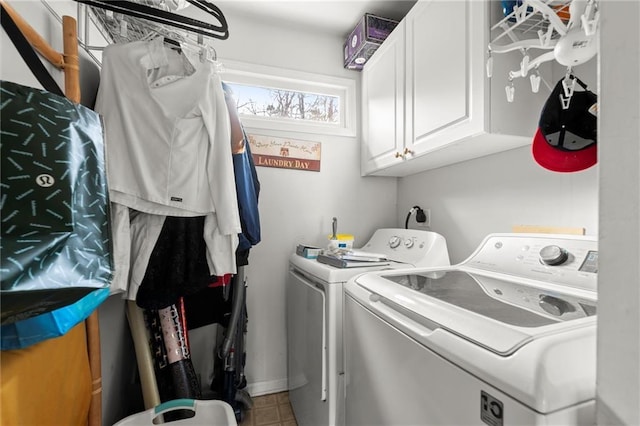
[
  {"x": 247, "y": 183},
  {"x": 207, "y": 306},
  {"x": 248, "y": 190},
  {"x": 178, "y": 264}
]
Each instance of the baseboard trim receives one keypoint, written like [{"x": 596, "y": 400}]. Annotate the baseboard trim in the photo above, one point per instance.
[{"x": 267, "y": 387}]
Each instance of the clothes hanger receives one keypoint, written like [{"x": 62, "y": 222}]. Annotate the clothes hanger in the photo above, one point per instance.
[
  {"x": 173, "y": 44},
  {"x": 138, "y": 10},
  {"x": 111, "y": 25},
  {"x": 205, "y": 52}
]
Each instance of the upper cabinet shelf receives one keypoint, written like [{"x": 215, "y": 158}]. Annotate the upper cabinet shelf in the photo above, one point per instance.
[{"x": 427, "y": 101}]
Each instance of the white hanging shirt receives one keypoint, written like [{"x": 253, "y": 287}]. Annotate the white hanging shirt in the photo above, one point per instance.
[{"x": 168, "y": 138}]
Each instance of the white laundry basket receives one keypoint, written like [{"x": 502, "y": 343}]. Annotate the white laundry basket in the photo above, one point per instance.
[{"x": 209, "y": 412}]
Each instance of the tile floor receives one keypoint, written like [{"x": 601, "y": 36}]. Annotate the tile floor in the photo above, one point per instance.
[{"x": 272, "y": 410}]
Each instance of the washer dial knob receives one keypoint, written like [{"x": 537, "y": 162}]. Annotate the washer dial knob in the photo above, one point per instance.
[
  {"x": 394, "y": 241},
  {"x": 553, "y": 255},
  {"x": 554, "y": 305},
  {"x": 408, "y": 243}
]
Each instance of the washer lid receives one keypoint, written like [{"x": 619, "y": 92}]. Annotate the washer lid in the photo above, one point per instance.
[
  {"x": 498, "y": 313},
  {"x": 331, "y": 274}
]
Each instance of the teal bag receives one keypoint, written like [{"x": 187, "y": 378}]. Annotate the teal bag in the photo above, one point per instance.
[
  {"x": 28, "y": 332},
  {"x": 54, "y": 206}
]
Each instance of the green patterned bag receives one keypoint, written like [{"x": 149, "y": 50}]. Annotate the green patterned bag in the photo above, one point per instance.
[{"x": 54, "y": 205}]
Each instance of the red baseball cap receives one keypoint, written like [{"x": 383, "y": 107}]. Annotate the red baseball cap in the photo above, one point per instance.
[
  {"x": 566, "y": 139},
  {"x": 558, "y": 160}
]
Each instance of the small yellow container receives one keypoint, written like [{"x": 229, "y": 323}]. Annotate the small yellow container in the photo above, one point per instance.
[{"x": 342, "y": 242}]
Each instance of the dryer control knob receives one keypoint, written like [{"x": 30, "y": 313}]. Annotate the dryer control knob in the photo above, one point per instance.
[
  {"x": 394, "y": 241},
  {"x": 408, "y": 243},
  {"x": 553, "y": 255},
  {"x": 554, "y": 305}
]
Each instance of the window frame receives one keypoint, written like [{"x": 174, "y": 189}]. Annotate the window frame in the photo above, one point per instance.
[{"x": 280, "y": 78}]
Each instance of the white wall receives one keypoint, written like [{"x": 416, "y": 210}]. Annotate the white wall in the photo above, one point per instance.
[
  {"x": 491, "y": 194},
  {"x": 618, "y": 393}
]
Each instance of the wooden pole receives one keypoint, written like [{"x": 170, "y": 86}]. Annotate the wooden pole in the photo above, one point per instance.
[
  {"x": 144, "y": 357},
  {"x": 34, "y": 38},
  {"x": 68, "y": 61},
  {"x": 71, "y": 62},
  {"x": 93, "y": 349},
  {"x": 72, "y": 91}
]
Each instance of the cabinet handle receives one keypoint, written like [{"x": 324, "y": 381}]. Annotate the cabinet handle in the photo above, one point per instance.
[
  {"x": 407, "y": 151},
  {"x": 398, "y": 155}
]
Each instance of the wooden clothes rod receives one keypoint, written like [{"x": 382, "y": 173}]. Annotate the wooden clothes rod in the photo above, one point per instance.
[
  {"x": 34, "y": 38},
  {"x": 67, "y": 61}
]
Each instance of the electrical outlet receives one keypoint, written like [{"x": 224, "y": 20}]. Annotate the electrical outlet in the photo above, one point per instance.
[{"x": 427, "y": 222}]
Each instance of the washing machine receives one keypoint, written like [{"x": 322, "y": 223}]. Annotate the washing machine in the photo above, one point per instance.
[
  {"x": 507, "y": 337},
  {"x": 314, "y": 319}
]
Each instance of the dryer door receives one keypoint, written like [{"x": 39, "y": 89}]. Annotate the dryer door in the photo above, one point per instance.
[{"x": 307, "y": 345}]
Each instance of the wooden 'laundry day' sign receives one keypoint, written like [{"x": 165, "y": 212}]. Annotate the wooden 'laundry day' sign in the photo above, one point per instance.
[{"x": 270, "y": 151}]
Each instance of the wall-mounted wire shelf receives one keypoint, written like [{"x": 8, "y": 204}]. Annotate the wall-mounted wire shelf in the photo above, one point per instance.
[
  {"x": 98, "y": 26},
  {"x": 543, "y": 25},
  {"x": 115, "y": 27},
  {"x": 118, "y": 28},
  {"x": 527, "y": 21}
]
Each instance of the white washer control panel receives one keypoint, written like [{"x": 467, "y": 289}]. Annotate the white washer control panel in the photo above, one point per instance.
[
  {"x": 411, "y": 246},
  {"x": 553, "y": 255},
  {"x": 570, "y": 260}
]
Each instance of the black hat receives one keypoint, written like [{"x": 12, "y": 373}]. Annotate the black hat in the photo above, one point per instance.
[{"x": 567, "y": 131}]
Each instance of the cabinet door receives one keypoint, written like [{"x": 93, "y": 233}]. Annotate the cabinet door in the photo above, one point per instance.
[
  {"x": 444, "y": 82},
  {"x": 383, "y": 104}
]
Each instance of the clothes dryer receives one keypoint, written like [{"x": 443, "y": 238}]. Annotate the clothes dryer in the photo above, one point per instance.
[
  {"x": 506, "y": 337},
  {"x": 314, "y": 319}
]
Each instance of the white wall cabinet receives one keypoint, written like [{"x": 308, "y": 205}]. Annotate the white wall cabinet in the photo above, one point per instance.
[
  {"x": 427, "y": 101},
  {"x": 383, "y": 107}
]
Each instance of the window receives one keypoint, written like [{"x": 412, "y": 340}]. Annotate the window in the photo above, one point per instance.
[
  {"x": 294, "y": 105},
  {"x": 279, "y": 99}
]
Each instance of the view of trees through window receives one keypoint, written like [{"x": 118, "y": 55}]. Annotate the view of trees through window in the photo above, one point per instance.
[{"x": 286, "y": 104}]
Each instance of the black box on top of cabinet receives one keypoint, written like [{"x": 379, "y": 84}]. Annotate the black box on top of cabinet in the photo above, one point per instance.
[{"x": 365, "y": 39}]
